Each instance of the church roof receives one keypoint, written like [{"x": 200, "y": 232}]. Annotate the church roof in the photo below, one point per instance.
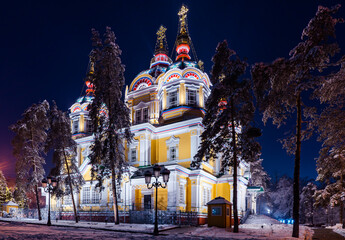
[{"x": 140, "y": 173}]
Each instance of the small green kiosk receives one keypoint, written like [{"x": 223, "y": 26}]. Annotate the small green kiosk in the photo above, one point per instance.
[{"x": 219, "y": 213}]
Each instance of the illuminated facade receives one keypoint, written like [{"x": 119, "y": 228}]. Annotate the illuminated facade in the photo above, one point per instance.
[{"x": 166, "y": 103}]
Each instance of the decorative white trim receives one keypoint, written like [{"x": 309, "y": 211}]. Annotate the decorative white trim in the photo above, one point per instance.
[{"x": 141, "y": 105}]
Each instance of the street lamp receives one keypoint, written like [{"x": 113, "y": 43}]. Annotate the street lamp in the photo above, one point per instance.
[
  {"x": 48, "y": 185},
  {"x": 156, "y": 184}
]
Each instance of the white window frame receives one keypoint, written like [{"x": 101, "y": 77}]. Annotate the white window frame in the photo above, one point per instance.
[
  {"x": 173, "y": 143},
  {"x": 206, "y": 194},
  {"x": 86, "y": 196},
  {"x": 67, "y": 200},
  {"x": 145, "y": 117},
  {"x": 170, "y": 102},
  {"x": 138, "y": 116},
  {"x": 95, "y": 196},
  {"x": 191, "y": 92},
  {"x": 139, "y": 112},
  {"x": 134, "y": 145},
  {"x": 133, "y": 154},
  {"x": 75, "y": 127}
]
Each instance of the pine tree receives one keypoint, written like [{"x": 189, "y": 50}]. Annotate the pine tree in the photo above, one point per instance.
[
  {"x": 307, "y": 202},
  {"x": 281, "y": 85},
  {"x": 226, "y": 127},
  {"x": 109, "y": 114},
  {"x": 331, "y": 171},
  {"x": 28, "y": 148},
  {"x": 66, "y": 169},
  {"x": 20, "y": 197},
  {"x": 259, "y": 176},
  {"x": 282, "y": 198},
  {"x": 3, "y": 188},
  {"x": 331, "y": 162}
]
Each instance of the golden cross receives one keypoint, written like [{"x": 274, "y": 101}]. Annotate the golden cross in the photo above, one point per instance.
[
  {"x": 183, "y": 14},
  {"x": 161, "y": 33}
]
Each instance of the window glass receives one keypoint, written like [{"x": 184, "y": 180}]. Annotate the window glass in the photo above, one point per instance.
[
  {"x": 216, "y": 211},
  {"x": 172, "y": 99},
  {"x": 191, "y": 97},
  {"x": 95, "y": 196},
  {"x": 172, "y": 153},
  {"x": 145, "y": 115},
  {"x": 133, "y": 155},
  {"x": 86, "y": 195},
  {"x": 138, "y": 116},
  {"x": 75, "y": 126}
]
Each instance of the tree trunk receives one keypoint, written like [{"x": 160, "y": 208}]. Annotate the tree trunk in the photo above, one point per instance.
[
  {"x": 341, "y": 201},
  {"x": 295, "y": 231},
  {"x": 113, "y": 185},
  {"x": 71, "y": 187},
  {"x": 341, "y": 211},
  {"x": 38, "y": 203},
  {"x": 234, "y": 199},
  {"x": 342, "y": 188},
  {"x": 36, "y": 186}
]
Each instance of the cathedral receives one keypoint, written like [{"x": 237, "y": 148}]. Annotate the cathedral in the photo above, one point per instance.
[{"x": 167, "y": 105}]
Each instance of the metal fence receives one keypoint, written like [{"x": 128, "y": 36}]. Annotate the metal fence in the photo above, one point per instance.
[
  {"x": 164, "y": 217},
  {"x": 245, "y": 216},
  {"x": 132, "y": 216},
  {"x": 33, "y": 213}
]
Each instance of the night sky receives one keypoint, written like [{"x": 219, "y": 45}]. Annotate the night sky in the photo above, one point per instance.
[{"x": 45, "y": 47}]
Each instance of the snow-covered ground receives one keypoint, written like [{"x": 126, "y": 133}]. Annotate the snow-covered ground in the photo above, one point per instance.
[
  {"x": 338, "y": 229},
  {"x": 123, "y": 227},
  {"x": 261, "y": 219},
  {"x": 258, "y": 227}
]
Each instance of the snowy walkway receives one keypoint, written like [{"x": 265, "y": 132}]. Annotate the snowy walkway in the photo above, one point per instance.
[{"x": 338, "y": 229}]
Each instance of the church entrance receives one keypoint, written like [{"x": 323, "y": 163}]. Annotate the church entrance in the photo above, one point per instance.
[{"x": 147, "y": 202}]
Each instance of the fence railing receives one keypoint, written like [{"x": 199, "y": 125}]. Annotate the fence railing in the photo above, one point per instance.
[
  {"x": 164, "y": 217},
  {"x": 132, "y": 216},
  {"x": 245, "y": 216}
]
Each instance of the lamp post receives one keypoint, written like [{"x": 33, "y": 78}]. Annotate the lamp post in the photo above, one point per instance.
[
  {"x": 156, "y": 184},
  {"x": 48, "y": 185}
]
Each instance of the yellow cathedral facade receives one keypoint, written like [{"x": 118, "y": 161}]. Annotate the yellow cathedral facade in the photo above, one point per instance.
[{"x": 167, "y": 105}]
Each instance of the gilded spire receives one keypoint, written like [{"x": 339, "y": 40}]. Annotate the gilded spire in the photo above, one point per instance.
[
  {"x": 161, "y": 44},
  {"x": 182, "y": 17},
  {"x": 89, "y": 77},
  {"x": 183, "y": 40}
]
